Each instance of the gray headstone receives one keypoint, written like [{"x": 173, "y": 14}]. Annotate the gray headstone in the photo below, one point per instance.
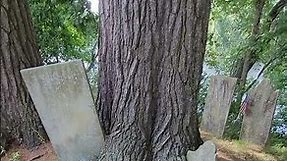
[
  {"x": 257, "y": 123},
  {"x": 206, "y": 152},
  {"x": 63, "y": 99},
  {"x": 217, "y": 104}
]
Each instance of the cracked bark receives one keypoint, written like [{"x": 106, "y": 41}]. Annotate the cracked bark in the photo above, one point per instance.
[
  {"x": 19, "y": 119},
  {"x": 150, "y": 64}
]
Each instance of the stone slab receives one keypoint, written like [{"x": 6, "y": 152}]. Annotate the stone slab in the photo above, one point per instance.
[
  {"x": 257, "y": 123},
  {"x": 206, "y": 152},
  {"x": 63, "y": 99},
  {"x": 217, "y": 104}
]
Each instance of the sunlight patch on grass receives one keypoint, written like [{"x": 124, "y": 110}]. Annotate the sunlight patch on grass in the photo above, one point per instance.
[{"x": 241, "y": 150}]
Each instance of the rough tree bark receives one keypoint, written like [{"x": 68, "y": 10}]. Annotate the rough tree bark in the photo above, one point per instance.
[
  {"x": 151, "y": 55},
  {"x": 19, "y": 119}
]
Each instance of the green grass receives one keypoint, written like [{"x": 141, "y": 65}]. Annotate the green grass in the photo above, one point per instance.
[
  {"x": 241, "y": 150},
  {"x": 242, "y": 145},
  {"x": 278, "y": 150},
  {"x": 15, "y": 156}
]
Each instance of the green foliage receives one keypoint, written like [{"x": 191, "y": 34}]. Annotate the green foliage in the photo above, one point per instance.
[
  {"x": 66, "y": 29},
  {"x": 229, "y": 40},
  {"x": 93, "y": 80},
  {"x": 278, "y": 150},
  {"x": 229, "y": 28},
  {"x": 277, "y": 139},
  {"x": 202, "y": 95},
  {"x": 280, "y": 124},
  {"x": 16, "y": 156}
]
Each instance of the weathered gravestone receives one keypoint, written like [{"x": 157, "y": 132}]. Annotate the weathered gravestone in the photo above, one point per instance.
[
  {"x": 206, "y": 152},
  {"x": 63, "y": 99},
  {"x": 256, "y": 124},
  {"x": 217, "y": 104}
]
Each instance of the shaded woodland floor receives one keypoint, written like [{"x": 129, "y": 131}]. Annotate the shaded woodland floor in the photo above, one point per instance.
[
  {"x": 44, "y": 152},
  {"x": 226, "y": 151}
]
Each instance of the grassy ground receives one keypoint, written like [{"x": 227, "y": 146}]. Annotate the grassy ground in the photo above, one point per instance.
[
  {"x": 279, "y": 151},
  {"x": 236, "y": 150}
]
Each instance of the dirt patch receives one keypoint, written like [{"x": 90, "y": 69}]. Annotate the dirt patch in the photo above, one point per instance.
[{"x": 44, "y": 152}]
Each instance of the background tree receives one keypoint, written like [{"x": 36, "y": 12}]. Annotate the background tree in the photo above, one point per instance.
[
  {"x": 151, "y": 55},
  {"x": 243, "y": 33},
  {"x": 66, "y": 29},
  {"x": 19, "y": 119}
]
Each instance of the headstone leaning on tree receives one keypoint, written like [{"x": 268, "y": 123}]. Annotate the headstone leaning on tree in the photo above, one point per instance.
[
  {"x": 63, "y": 99},
  {"x": 217, "y": 104},
  {"x": 257, "y": 122}
]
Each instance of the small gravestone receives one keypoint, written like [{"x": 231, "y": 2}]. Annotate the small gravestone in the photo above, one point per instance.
[
  {"x": 257, "y": 123},
  {"x": 206, "y": 152},
  {"x": 63, "y": 99},
  {"x": 217, "y": 104}
]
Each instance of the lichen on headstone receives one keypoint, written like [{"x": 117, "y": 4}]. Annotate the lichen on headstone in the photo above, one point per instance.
[
  {"x": 63, "y": 99},
  {"x": 257, "y": 123},
  {"x": 217, "y": 104}
]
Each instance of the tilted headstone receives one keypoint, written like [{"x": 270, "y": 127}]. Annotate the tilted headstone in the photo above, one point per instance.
[
  {"x": 63, "y": 99},
  {"x": 256, "y": 124},
  {"x": 217, "y": 104},
  {"x": 206, "y": 152}
]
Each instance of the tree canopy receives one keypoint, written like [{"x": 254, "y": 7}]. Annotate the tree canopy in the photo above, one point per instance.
[{"x": 65, "y": 29}]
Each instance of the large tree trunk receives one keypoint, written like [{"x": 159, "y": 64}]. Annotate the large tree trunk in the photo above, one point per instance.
[
  {"x": 19, "y": 119},
  {"x": 151, "y": 55}
]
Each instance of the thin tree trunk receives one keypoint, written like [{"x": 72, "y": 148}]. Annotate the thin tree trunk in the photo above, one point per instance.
[
  {"x": 150, "y": 57},
  {"x": 19, "y": 119},
  {"x": 244, "y": 65}
]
